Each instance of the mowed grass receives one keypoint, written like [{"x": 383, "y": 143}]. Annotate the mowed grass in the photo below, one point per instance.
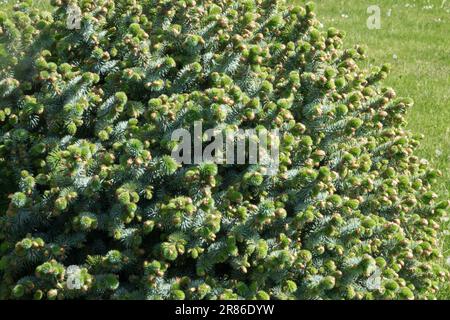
[{"x": 415, "y": 39}]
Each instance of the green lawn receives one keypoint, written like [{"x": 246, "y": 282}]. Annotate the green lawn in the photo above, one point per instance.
[{"x": 415, "y": 38}]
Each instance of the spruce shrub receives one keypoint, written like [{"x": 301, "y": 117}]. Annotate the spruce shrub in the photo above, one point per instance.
[{"x": 94, "y": 206}]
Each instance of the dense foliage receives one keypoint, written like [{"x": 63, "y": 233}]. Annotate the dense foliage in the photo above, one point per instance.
[{"x": 87, "y": 179}]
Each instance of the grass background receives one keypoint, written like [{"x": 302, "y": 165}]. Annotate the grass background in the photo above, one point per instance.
[{"x": 415, "y": 39}]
